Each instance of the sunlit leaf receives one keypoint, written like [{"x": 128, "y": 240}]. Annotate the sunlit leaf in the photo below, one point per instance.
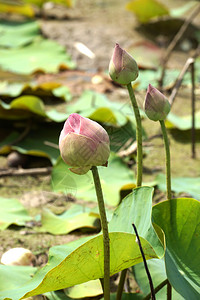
[
  {"x": 12, "y": 212},
  {"x": 181, "y": 185},
  {"x": 75, "y": 217},
  {"x": 98, "y": 107},
  {"x": 41, "y": 55},
  {"x": 85, "y": 263},
  {"x": 15, "y": 34},
  {"x": 63, "y": 180},
  {"x": 147, "y": 9},
  {"x": 25, "y": 107},
  {"x": 180, "y": 221},
  {"x": 13, "y": 8},
  {"x": 88, "y": 289},
  {"x": 136, "y": 208}
]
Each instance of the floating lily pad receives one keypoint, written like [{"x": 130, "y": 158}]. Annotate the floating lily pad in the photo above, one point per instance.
[
  {"x": 75, "y": 217},
  {"x": 25, "y": 107},
  {"x": 41, "y": 55},
  {"x": 12, "y": 212},
  {"x": 16, "y": 34}
]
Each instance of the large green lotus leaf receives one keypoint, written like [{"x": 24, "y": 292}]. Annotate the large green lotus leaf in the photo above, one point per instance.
[
  {"x": 181, "y": 184},
  {"x": 85, "y": 263},
  {"x": 63, "y": 180},
  {"x": 16, "y": 34},
  {"x": 87, "y": 289},
  {"x": 41, "y": 55},
  {"x": 147, "y": 9},
  {"x": 158, "y": 275},
  {"x": 182, "y": 123},
  {"x": 46, "y": 136},
  {"x": 12, "y": 277},
  {"x": 75, "y": 217},
  {"x": 136, "y": 208},
  {"x": 12, "y": 212},
  {"x": 180, "y": 221}
]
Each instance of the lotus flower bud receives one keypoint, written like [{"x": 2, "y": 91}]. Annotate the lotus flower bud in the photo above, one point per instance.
[
  {"x": 18, "y": 257},
  {"x": 122, "y": 68},
  {"x": 83, "y": 143},
  {"x": 156, "y": 105}
]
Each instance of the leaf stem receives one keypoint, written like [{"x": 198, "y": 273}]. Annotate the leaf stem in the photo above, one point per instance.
[
  {"x": 138, "y": 134},
  {"x": 167, "y": 159},
  {"x": 139, "y": 168},
  {"x": 104, "y": 225},
  {"x": 153, "y": 296},
  {"x": 157, "y": 289}
]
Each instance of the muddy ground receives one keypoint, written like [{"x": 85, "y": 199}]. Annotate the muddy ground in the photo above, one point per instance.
[{"x": 98, "y": 25}]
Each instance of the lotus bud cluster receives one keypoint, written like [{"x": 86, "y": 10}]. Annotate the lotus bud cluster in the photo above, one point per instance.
[
  {"x": 156, "y": 105},
  {"x": 122, "y": 68},
  {"x": 83, "y": 143}
]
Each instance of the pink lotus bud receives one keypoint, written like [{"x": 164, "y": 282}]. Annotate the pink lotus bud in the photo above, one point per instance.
[
  {"x": 122, "y": 68},
  {"x": 156, "y": 105},
  {"x": 83, "y": 143}
]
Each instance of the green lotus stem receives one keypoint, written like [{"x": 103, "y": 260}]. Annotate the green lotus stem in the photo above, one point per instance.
[
  {"x": 167, "y": 159},
  {"x": 139, "y": 169},
  {"x": 138, "y": 134},
  {"x": 104, "y": 226},
  {"x": 121, "y": 284}
]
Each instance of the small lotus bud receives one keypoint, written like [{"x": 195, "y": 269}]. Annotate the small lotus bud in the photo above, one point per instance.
[
  {"x": 83, "y": 143},
  {"x": 18, "y": 257},
  {"x": 156, "y": 105},
  {"x": 122, "y": 68}
]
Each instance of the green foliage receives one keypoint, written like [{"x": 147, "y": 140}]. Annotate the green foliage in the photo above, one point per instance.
[
  {"x": 181, "y": 185},
  {"x": 180, "y": 221},
  {"x": 17, "y": 34},
  {"x": 12, "y": 212},
  {"x": 84, "y": 258},
  {"x": 82, "y": 186},
  {"x": 158, "y": 274},
  {"x": 41, "y": 55},
  {"x": 88, "y": 289},
  {"x": 75, "y": 217},
  {"x": 182, "y": 123},
  {"x": 25, "y": 107},
  {"x": 147, "y": 9},
  {"x": 44, "y": 137},
  {"x": 12, "y": 277}
]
